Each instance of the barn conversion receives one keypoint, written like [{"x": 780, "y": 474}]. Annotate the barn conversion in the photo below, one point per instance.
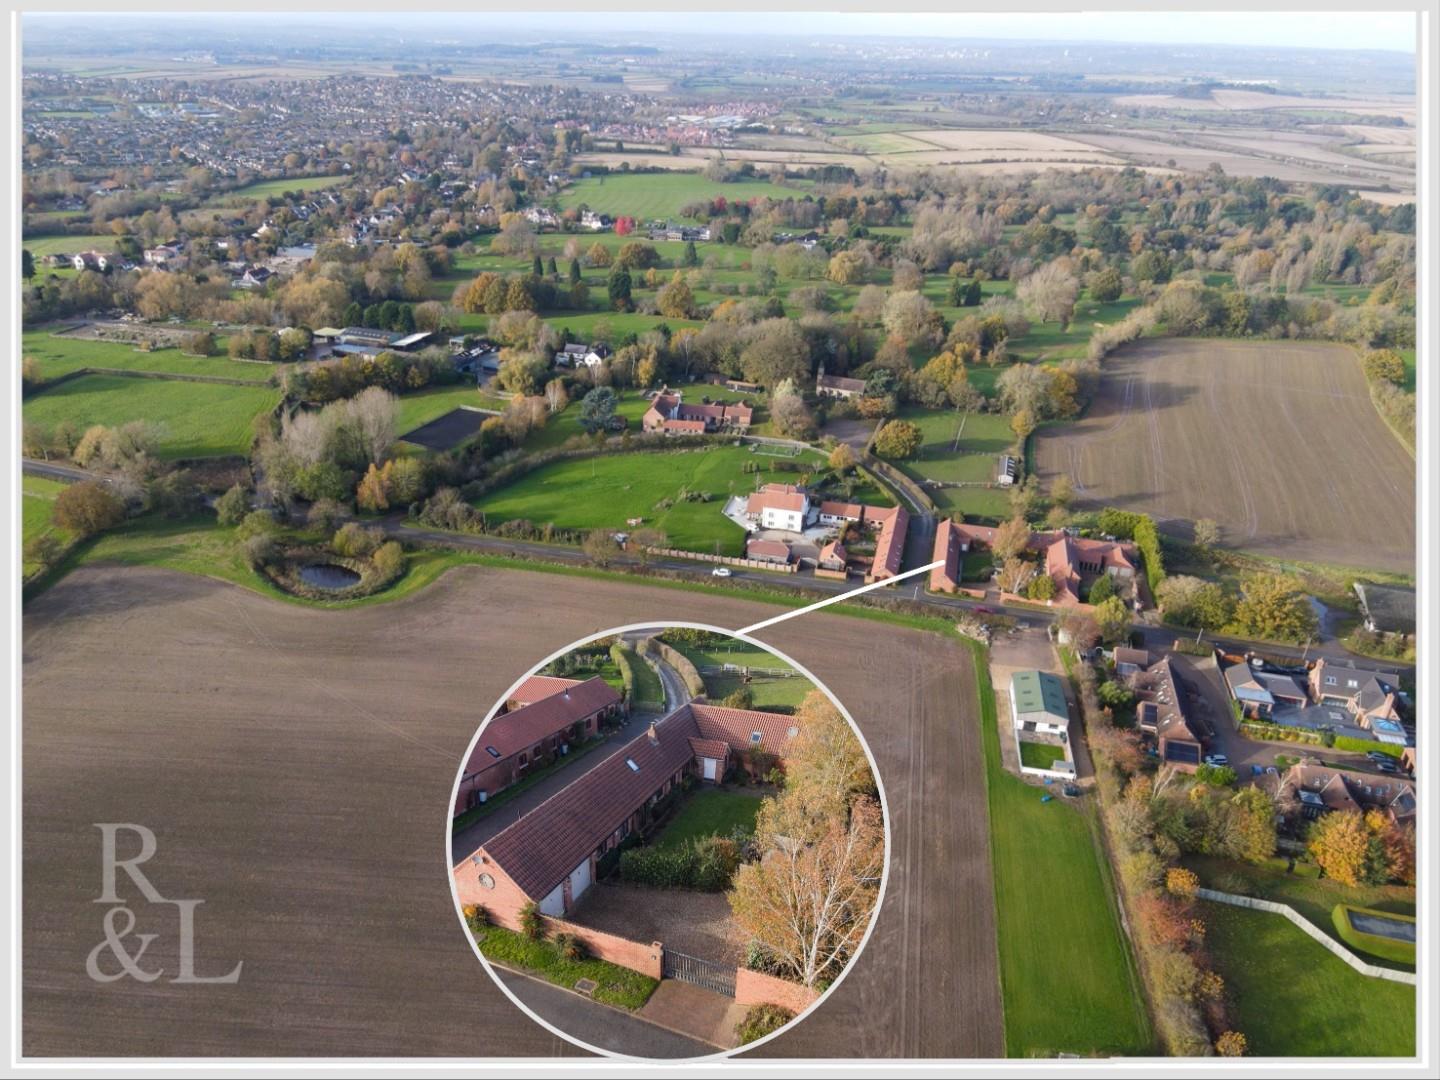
[
  {"x": 549, "y": 856},
  {"x": 541, "y": 719}
]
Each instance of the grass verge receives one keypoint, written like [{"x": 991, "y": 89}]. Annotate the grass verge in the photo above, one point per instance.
[{"x": 615, "y": 985}]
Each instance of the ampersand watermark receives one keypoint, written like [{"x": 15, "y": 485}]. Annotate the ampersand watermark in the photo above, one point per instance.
[{"x": 125, "y": 961}]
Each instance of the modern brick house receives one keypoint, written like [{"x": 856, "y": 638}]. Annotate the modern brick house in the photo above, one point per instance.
[
  {"x": 1368, "y": 695},
  {"x": 549, "y": 856},
  {"x": 532, "y": 732},
  {"x": 1163, "y": 709},
  {"x": 1320, "y": 790}
]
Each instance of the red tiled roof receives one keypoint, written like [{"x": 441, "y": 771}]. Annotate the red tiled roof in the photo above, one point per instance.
[
  {"x": 834, "y": 551},
  {"x": 737, "y": 726},
  {"x": 540, "y": 686},
  {"x": 776, "y": 497},
  {"x": 767, "y": 549},
  {"x": 539, "y": 850},
  {"x": 711, "y": 748},
  {"x": 511, "y": 732},
  {"x": 946, "y": 577},
  {"x": 890, "y": 547},
  {"x": 848, "y": 511}
]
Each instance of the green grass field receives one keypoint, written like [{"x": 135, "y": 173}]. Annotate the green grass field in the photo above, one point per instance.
[
  {"x": 263, "y": 189},
  {"x": 604, "y": 492},
  {"x": 36, "y": 504},
  {"x": 766, "y": 693},
  {"x": 1310, "y": 895},
  {"x": 1067, "y": 979},
  {"x": 58, "y": 355},
  {"x": 709, "y": 812},
  {"x": 650, "y": 196},
  {"x": 40, "y": 246},
  {"x": 1295, "y": 999},
  {"x": 194, "y": 419},
  {"x": 648, "y": 690},
  {"x": 983, "y": 437}
]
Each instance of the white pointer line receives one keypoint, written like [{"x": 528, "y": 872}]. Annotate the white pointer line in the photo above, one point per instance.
[{"x": 836, "y": 599}]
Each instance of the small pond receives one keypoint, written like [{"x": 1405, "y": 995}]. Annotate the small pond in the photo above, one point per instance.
[{"x": 328, "y": 576}]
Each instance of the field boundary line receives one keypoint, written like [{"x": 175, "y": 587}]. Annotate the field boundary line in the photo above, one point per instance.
[{"x": 1234, "y": 900}]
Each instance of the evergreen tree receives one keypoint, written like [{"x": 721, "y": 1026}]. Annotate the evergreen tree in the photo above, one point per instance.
[
  {"x": 692, "y": 257},
  {"x": 550, "y": 267},
  {"x": 620, "y": 289},
  {"x": 574, "y": 271},
  {"x": 538, "y": 268}
]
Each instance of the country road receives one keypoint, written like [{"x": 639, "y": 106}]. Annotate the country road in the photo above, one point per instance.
[{"x": 399, "y": 528}]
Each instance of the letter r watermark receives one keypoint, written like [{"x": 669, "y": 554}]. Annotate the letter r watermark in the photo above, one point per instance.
[{"x": 117, "y": 938}]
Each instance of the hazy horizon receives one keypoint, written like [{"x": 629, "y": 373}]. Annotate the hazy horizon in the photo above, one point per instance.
[{"x": 1345, "y": 31}]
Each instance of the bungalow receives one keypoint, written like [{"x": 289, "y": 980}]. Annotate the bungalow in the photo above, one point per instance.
[
  {"x": 1163, "y": 709},
  {"x": 670, "y": 415},
  {"x": 518, "y": 740},
  {"x": 549, "y": 856},
  {"x": 1319, "y": 790},
  {"x": 163, "y": 257},
  {"x": 1069, "y": 560},
  {"x": 838, "y": 514},
  {"x": 837, "y": 386},
  {"x": 771, "y": 551},
  {"x": 1388, "y": 609},
  {"x": 779, "y": 506},
  {"x": 1037, "y": 703}
]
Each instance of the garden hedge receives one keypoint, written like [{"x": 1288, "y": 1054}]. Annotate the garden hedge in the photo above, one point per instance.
[{"x": 1397, "y": 952}]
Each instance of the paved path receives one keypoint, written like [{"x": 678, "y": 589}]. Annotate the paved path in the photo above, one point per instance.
[
  {"x": 600, "y": 1025},
  {"x": 682, "y": 1006}
]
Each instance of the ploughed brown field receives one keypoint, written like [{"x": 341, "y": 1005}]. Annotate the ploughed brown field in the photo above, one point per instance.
[
  {"x": 1277, "y": 441},
  {"x": 296, "y": 767}
]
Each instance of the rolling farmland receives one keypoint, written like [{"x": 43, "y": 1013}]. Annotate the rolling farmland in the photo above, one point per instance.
[{"x": 1276, "y": 441}]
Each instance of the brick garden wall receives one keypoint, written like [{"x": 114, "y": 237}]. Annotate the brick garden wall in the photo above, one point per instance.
[
  {"x": 757, "y": 988},
  {"x": 646, "y": 959}
]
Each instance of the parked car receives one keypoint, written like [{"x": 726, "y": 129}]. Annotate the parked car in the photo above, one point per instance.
[
  {"x": 1071, "y": 791},
  {"x": 984, "y": 611},
  {"x": 1388, "y": 767},
  {"x": 1216, "y": 759},
  {"x": 1378, "y": 756},
  {"x": 720, "y": 571}
]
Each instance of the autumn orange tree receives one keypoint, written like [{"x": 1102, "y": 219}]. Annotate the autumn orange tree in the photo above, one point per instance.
[
  {"x": 1340, "y": 844},
  {"x": 807, "y": 901}
]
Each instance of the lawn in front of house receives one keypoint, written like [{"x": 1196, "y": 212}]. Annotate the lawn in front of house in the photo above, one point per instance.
[
  {"x": 709, "y": 812},
  {"x": 1067, "y": 979},
  {"x": 193, "y": 419},
  {"x": 605, "y": 492},
  {"x": 1295, "y": 999},
  {"x": 615, "y": 985}
]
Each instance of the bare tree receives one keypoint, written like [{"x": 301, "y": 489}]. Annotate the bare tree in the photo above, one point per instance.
[
  {"x": 373, "y": 414},
  {"x": 1050, "y": 292}
]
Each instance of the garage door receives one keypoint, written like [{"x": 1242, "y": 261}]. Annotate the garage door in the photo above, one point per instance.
[
  {"x": 554, "y": 904},
  {"x": 709, "y": 765},
  {"x": 579, "y": 880}
]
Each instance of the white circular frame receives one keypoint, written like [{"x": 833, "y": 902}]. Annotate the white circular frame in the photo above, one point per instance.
[{"x": 661, "y": 626}]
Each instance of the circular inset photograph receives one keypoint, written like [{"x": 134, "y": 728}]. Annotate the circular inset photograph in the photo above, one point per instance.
[{"x": 668, "y": 842}]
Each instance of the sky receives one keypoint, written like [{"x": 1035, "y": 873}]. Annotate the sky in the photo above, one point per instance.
[
  {"x": 1387, "y": 30},
  {"x": 1323, "y": 30}
]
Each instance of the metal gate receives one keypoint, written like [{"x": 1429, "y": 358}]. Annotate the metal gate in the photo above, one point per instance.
[{"x": 702, "y": 973}]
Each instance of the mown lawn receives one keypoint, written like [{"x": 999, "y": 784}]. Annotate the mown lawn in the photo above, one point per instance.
[
  {"x": 194, "y": 419},
  {"x": 649, "y": 196},
  {"x": 1040, "y": 755},
  {"x": 766, "y": 693},
  {"x": 607, "y": 491},
  {"x": 1304, "y": 890},
  {"x": 40, "y": 246},
  {"x": 710, "y": 812},
  {"x": 1067, "y": 978},
  {"x": 58, "y": 355},
  {"x": 648, "y": 689},
  {"x": 615, "y": 985},
  {"x": 263, "y": 189},
  {"x": 1295, "y": 999}
]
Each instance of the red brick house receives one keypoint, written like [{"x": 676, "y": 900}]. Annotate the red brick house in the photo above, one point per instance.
[
  {"x": 525, "y": 737},
  {"x": 549, "y": 855},
  {"x": 1068, "y": 560},
  {"x": 670, "y": 415},
  {"x": 1319, "y": 790}
]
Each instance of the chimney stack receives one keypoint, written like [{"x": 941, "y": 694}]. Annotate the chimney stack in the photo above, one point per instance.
[{"x": 654, "y": 734}]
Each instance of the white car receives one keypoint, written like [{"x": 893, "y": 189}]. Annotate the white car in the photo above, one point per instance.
[
  {"x": 1216, "y": 759},
  {"x": 720, "y": 571}
]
